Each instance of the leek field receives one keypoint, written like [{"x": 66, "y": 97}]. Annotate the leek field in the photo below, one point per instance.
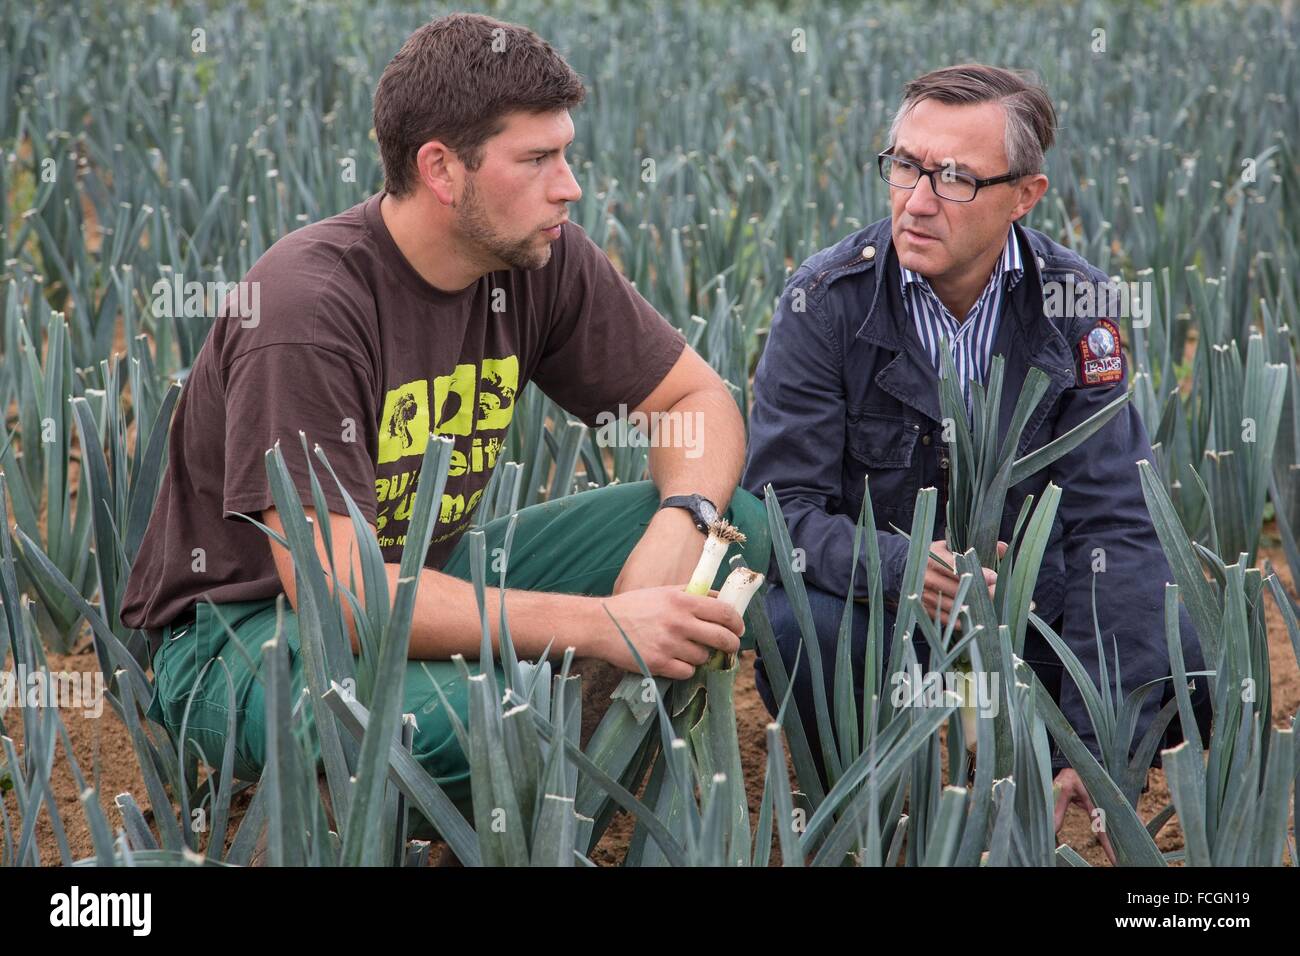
[{"x": 139, "y": 141}]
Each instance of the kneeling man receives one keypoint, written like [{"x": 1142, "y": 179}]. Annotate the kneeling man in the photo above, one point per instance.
[
  {"x": 848, "y": 387},
  {"x": 426, "y": 309}
]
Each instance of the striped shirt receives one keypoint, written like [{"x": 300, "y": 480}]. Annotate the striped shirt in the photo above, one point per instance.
[{"x": 971, "y": 341}]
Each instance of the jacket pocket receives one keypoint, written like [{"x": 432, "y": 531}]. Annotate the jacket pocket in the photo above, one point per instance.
[
  {"x": 881, "y": 448},
  {"x": 880, "y": 441}
]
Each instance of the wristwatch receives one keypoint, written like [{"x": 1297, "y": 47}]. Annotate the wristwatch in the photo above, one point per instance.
[{"x": 702, "y": 510}]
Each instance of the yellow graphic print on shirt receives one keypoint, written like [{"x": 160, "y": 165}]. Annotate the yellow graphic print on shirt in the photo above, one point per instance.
[
  {"x": 453, "y": 402},
  {"x": 496, "y": 397},
  {"x": 404, "y": 426},
  {"x": 467, "y": 403}
]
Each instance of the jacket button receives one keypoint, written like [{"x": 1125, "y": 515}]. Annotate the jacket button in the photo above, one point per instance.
[
  {"x": 925, "y": 439},
  {"x": 1042, "y": 263},
  {"x": 868, "y": 252}
]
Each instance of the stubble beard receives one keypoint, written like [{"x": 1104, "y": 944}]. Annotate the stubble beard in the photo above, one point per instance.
[{"x": 493, "y": 247}]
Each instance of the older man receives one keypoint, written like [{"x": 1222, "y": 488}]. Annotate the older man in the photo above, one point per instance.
[{"x": 848, "y": 387}]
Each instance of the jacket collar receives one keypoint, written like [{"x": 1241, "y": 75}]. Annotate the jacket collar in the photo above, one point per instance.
[{"x": 1025, "y": 338}]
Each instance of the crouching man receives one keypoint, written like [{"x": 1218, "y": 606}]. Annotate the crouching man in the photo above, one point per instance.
[
  {"x": 426, "y": 309},
  {"x": 848, "y": 387}
]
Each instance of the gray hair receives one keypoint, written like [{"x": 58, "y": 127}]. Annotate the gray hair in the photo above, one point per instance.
[{"x": 1031, "y": 118}]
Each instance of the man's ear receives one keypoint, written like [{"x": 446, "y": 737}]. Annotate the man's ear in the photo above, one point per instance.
[
  {"x": 1028, "y": 191},
  {"x": 439, "y": 170}
]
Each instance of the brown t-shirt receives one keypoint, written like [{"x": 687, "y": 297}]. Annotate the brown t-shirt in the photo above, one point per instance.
[{"x": 352, "y": 347}]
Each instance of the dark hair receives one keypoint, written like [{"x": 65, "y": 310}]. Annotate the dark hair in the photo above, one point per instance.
[
  {"x": 454, "y": 79},
  {"x": 1031, "y": 118}
]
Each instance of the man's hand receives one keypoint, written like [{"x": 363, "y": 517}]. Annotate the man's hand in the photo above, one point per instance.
[
  {"x": 1070, "y": 789},
  {"x": 674, "y": 632},
  {"x": 941, "y": 584},
  {"x": 666, "y": 554}
]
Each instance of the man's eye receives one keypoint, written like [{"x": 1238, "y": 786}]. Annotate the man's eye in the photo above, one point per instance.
[{"x": 537, "y": 160}]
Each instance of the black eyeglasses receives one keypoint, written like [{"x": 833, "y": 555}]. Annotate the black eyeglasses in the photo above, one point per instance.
[{"x": 951, "y": 185}]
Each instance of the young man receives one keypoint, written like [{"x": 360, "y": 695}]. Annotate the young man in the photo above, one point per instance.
[
  {"x": 427, "y": 309},
  {"x": 848, "y": 387}
]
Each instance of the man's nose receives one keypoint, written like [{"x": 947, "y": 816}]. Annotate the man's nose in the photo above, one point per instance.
[
  {"x": 567, "y": 188},
  {"x": 923, "y": 201}
]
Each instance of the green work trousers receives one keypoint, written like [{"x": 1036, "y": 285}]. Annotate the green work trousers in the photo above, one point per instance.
[{"x": 575, "y": 545}]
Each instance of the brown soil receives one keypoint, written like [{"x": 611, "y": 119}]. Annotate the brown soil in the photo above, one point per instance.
[{"x": 108, "y": 738}]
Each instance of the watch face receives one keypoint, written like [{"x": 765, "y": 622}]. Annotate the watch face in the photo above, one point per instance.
[{"x": 707, "y": 511}]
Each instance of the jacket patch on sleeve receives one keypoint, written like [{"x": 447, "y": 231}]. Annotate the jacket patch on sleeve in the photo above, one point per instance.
[{"x": 1101, "y": 360}]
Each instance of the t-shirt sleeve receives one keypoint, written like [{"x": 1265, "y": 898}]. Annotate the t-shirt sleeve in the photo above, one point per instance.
[
  {"x": 274, "y": 392},
  {"x": 606, "y": 345}
]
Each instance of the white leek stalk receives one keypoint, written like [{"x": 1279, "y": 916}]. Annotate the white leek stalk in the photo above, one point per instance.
[
  {"x": 722, "y": 536},
  {"x": 741, "y": 585},
  {"x": 739, "y": 588}
]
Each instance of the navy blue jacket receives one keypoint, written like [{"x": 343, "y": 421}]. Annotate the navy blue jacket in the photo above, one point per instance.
[{"x": 845, "y": 388}]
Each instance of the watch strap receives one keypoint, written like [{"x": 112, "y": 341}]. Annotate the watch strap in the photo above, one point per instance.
[{"x": 692, "y": 504}]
